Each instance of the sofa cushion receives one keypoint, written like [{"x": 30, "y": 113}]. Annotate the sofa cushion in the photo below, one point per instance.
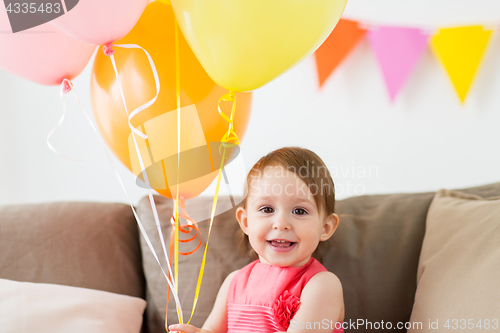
[
  {"x": 459, "y": 265},
  {"x": 51, "y": 308},
  {"x": 79, "y": 244}
]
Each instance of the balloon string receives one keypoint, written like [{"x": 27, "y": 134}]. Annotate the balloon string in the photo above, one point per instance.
[
  {"x": 192, "y": 225},
  {"x": 120, "y": 181},
  {"x": 140, "y": 108},
  {"x": 230, "y": 135},
  {"x": 229, "y": 97},
  {"x": 178, "y": 95},
  {"x": 66, "y": 87},
  {"x": 226, "y": 140},
  {"x": 109, "y": 52}
]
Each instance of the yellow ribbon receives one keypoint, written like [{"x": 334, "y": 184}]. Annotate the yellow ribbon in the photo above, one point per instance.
[
  {"x": 230, "y": 136},
  {"x": 178, "y": 93},
  {"x": 229, "y": 139}
]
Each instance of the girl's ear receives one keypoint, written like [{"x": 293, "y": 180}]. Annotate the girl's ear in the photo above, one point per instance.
[
  {"x": 241, "y": 216},
  {"x": 329, "y": 227}
]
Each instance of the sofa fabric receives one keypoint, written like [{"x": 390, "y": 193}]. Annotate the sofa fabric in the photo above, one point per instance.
[
  {"x": 79, "y": 244},
  {"x": 459, "y": 265}
]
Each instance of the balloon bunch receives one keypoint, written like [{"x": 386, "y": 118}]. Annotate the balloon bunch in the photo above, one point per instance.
[{"x": 179, "y": 137}]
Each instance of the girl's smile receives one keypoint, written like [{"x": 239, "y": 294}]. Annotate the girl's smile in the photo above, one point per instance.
[{"x": 281, "y": 245}]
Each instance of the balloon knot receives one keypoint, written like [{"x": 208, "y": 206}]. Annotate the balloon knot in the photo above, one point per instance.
[
  {"x": 66, "y": 86},
  {"x": 108, "y": 49},
  {"x": 229, "y": 97}
]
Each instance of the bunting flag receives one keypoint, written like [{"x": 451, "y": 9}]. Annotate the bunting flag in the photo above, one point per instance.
[
  {"x": 398, "y": 51},
  {"x": 460, "y": 51},
  {"x": 336, "y": 47}
]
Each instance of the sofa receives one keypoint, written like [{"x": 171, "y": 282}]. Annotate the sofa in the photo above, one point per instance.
[{"x": 400, "y": 258}]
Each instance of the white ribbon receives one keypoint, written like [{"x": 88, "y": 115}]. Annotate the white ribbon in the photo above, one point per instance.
[
  {"x": 59, "y": 123},
  {"x": 144, "y": 136},
  {"x": 145, "y": 105}
]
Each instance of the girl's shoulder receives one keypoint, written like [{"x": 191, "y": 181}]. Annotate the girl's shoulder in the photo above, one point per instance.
[
  {"x": 324, "y": 278},
  {"x": 324, "y": 287}
]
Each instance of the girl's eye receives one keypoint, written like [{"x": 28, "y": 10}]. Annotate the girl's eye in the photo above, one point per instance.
[
  {"x": 266, "y": 210},
  {"x": 299, "y": 211}
]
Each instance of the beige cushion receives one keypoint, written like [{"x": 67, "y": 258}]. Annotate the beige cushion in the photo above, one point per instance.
[
  {"x": 459, "y": 267},
  {"x": 50, "y": 308},
  {"x": 80, "y": 244}
]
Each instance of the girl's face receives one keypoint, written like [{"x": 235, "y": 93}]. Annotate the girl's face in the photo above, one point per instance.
[{"x": 282, "y": 220}]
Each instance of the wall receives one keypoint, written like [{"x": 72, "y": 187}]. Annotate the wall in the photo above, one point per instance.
[{"x": 423, "y": 141}]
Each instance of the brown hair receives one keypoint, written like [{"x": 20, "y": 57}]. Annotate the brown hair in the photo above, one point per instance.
[{"x": 307, "y": 166}]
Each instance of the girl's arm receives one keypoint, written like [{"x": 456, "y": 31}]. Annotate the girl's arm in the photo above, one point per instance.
[
  {"x": 217, "y": 320},
  {"x": 321, "y": 304}
]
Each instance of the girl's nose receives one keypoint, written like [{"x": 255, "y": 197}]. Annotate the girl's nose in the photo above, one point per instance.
[{"x": 281, "y": 223}]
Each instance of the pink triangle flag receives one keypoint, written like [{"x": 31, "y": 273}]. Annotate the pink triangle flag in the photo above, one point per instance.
[{"x": 398, "y": 51}]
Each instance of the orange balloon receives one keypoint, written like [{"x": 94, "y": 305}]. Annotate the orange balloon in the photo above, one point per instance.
[{"x": 202, "y": 128}]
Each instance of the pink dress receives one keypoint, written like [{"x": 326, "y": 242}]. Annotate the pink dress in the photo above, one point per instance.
[{"x": 264, "y": 298}]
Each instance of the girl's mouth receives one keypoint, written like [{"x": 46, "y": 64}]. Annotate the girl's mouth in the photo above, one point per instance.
[{"x": 280, "y": 245}]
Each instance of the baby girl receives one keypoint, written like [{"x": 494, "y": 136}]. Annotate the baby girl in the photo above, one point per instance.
[{"x": 288, "y": 211}]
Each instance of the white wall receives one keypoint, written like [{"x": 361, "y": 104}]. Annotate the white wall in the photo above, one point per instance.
[{"x": 424, "y": 141}]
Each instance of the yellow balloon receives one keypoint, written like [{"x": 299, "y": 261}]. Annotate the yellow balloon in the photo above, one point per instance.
[{"x": 244, "y": 44}]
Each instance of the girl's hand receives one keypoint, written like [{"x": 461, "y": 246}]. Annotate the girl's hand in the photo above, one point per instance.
[{"x": 186, "y": 329}]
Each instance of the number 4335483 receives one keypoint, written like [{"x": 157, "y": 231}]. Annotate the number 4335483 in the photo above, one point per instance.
[
  {"x": 471, "y": 324},
  {"x": 32, "y": 8}
]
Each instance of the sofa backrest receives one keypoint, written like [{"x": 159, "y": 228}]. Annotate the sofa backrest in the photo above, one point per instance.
[{"x": 79, "y": 244}]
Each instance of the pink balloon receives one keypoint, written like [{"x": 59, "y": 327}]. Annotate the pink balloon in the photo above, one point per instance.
[
  {"x": 101, "y": 21},
  {"x": 41, "y": 54}
]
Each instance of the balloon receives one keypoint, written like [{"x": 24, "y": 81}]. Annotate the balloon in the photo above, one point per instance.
[
  {"x": 101, "y": 21},
  {"x": 243, "y": 44},
  {"x": 41, "y": 54},
  {"x": 201, "y": 125}
]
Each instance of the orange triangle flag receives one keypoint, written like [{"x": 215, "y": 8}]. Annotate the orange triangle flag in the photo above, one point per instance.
[
  {"x": 460, "y": 51},
  {"x": 336, "y": 47}
]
